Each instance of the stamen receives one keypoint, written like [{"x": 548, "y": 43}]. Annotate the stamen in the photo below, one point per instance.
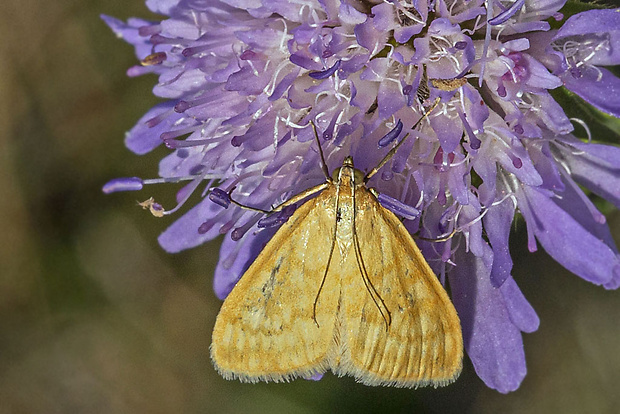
[
  {"x": 398, "y": 207},
  {"x": 278, "y": 218},
  {"x": 175, "y": 143},
  {"x": 392, "y": 135},
  {"x": 153, "y": 59},
  {"x": 239, "y": 232},
  {"x": 518, "y": 129},
  {"x": 501, "y": 89},
  {"x": 507, "y": 14},
  {"x": 169, "y": 135},
  {"x": 324, "y": 74},
  {"x": 158, "y": 39},
  {"x": 206, "y": 226},
  {"x": 157, "y": 119},
  {"x": 474, "y": 142},
  {"x": 190, "y": 51},
  {"x": 123, "y": 184},
  {"x": 460, "y": 45},
  {"x": 329, "y": 132},
  {"x": 516, "y": 161},
  {"x": 585, "y": 126},
  {"x": 219, "y": 197}
]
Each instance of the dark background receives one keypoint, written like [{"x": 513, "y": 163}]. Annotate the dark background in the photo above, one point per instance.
[{"x": 96, "y": 318}]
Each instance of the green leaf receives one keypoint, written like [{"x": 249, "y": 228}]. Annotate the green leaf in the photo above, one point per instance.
[{"x": 603, "y": 128}]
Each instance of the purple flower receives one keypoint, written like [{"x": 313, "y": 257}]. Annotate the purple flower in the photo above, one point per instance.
[
  {"x": 243, "y": 79},
  {"x": 585, "y": 44}
]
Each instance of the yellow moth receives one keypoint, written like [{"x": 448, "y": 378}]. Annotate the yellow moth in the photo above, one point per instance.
[
  {"x": 341, "y": 286},
  {"x": 448, "y": 85}
]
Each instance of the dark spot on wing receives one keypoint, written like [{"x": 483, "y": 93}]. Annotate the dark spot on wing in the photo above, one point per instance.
[
  {"x": 269, "y": 285},
  {"x": 410, "y": 299}
]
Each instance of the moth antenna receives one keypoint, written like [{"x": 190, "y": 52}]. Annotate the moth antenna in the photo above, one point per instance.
[
  {"x": 370, "y": 287},
  {"x": 372, "y": 290},
  {"x": 243, "y": 206},
  {"x": 318, "y": 142},
  {"x": 390, "y": 154},
  {"x": 329, "y": 260},
  {"x": 331, "y": 250}
]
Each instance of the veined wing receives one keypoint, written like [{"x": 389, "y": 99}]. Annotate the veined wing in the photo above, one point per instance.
[
  {"x": 422, "y": 344},
  {"x": 265, "y": 330}
]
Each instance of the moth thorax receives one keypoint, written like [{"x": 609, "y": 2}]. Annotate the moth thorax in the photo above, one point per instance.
[{"x": 348, "y": 174}]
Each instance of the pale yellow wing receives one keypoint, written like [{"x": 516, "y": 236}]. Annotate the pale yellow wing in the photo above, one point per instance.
[
  {"x": 265, "y": 330},
  {"x": 422, "y": 345}
]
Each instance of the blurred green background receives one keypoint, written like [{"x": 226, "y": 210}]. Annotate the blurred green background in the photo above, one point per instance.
[{"x": 96, "y": 318}]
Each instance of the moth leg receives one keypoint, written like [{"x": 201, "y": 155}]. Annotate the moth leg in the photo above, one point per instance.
[{"x": 243, "y": 206}]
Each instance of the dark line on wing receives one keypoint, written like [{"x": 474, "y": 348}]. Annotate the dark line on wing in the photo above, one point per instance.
[{"x": 329, "y": 261}]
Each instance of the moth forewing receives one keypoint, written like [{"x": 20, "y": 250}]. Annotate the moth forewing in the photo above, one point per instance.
[
  {"x": 265, "y": 329},
  {"x": 341, "y": 286},
  {"x": 423, "y": 344}
]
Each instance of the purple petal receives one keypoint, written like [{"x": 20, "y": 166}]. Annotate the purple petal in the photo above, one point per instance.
[
  {"x": 383, "y": 16},
  {"x": 486, "y": 168},
  {"x": 596, "y": 22},
  {"x": 183, "y": 233},
  {"x": 390, "y": 99},
  {"x": 162, "y": 6},
  {"x": 131, "y": 34},
  {"x": 595, "y": 166},
  {"x": 522, "y": 314},
  {"x": 569, "y": 243},
  {"x": 402, "y": 34},
  {"x": 553, "y": 116},
  {"x": 579, "y": 206},
  {"x": 538, "y": 75},
  {"x": 236, "y": 257},
  {"x": 507, "y": 14},
  {"x": 259, "y": 135},
  {"x": 144, "y": 136},
  {"x": 449, "y": 131},
  {"x": 599, "y": 87},
  {"x": 497, "y": 222},
  {"x": 284, "y": 84},
  {"x": 492, "y": 341},
  {"x": 245, "y": 81},
  {"x": 369, "y": 37},
  {"x": 547, "y": 167},
  {"x": 350, "y": 15}
]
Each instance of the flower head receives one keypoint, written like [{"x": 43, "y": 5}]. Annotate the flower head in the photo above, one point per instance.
[{"x": 244, "y": 79}]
